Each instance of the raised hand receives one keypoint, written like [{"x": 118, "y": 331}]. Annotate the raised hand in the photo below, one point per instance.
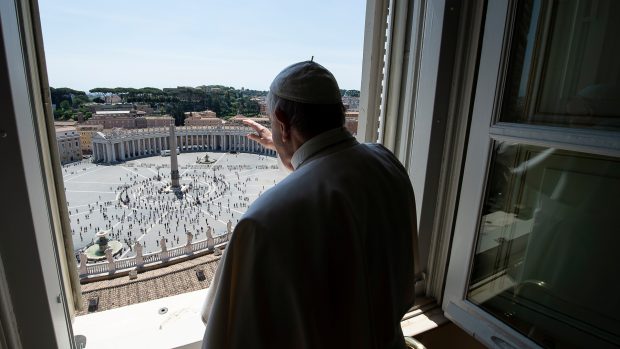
[{"x": 262, "y": 136}]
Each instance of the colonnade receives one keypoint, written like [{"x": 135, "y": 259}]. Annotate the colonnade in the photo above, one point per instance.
[{"x": 122, "y": 145}]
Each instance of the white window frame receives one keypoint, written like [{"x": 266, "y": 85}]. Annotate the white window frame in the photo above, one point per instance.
[
  {"x": 410, "y": 114},
  {"x": 33, "y": 152},
  {"x": 485, "y": 130},
  {"x": 20, "y": 45}
]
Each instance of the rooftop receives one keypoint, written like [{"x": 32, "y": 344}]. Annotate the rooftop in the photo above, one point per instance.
[
  {"x": 158, "y": 117},
  {"x": 65, "y": 129},
  {"x": 150, "y": 285},
  {"x": 65, "y": 123},
  {"x": 112, "y": 112}
]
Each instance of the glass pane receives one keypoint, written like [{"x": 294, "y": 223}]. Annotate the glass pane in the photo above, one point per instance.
[
  {"x": 546, "y": 258},
  {"x": 564, "y": 64}
]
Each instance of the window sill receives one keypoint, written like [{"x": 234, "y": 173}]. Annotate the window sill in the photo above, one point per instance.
[
  {"x": 426, "y": 316},
  {"x": 141, "y": 326}
]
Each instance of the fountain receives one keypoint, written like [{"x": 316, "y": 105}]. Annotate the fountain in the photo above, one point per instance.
[{"x": 97, "y": 251}]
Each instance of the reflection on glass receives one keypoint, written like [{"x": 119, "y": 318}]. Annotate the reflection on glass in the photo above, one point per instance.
[
  {"x": 546, "y": 259},
  {"x": 564, "y": 64}
]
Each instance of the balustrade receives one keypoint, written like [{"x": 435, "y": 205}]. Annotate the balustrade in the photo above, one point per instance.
[{"x": 111, "y": 266}]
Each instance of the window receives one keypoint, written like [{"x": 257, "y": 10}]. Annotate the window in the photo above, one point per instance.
[
  {"x": 48, "y": 261},
  {"x": 534, "y": 241},
  {"x": 500, "y": 110}
]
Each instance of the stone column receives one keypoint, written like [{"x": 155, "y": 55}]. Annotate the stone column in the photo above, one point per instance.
[
  {"x": 210, "y": 241},
  {"x": 113, "y": 152},
  {"x": 163, "y": 254},
  {"x": 109, "y": 150},
  {"x": 94, "y": 146},
  {"x": 121, "y": 149},
  {"x": 188, "y": 244},
  {"x": 110, "y": 259},
  {"x": 174, "y": 165},
  {"x": 139, "y": 256},
  {"x": 83, "y": 262}
]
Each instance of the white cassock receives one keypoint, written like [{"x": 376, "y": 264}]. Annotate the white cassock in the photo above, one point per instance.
[{"x": 322, "y": 260}]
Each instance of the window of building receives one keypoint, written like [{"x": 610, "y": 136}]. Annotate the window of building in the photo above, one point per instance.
[
  {"x": 421, "y": 69},
  {"x": 27, "y": 84},
  {"x": 542, "y": 180}
]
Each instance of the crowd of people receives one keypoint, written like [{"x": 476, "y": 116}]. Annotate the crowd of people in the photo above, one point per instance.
[{"x": 145, "y": 209}]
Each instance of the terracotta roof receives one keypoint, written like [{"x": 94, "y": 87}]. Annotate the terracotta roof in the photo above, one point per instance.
[{"x": 158, "y": 283}]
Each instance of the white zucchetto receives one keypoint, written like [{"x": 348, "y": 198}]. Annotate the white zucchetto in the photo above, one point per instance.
[{"x": 306, "y": 82}]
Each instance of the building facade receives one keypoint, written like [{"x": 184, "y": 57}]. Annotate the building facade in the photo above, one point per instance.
[
  {"x": 68, "y": 141},
  {"x": 116, "y": 145},
  {"x": 86, "y": 136},
  {"x": 95, "y": 107},
  {"x": 202, "y": 118},
  {"x": 113, "y": 99},
  {"x": 350, "y": 121},
  {"x": 116, "y": 118},
  {"x": 238, "y": 120}
]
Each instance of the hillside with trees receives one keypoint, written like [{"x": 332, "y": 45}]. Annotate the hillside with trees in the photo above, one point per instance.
[{"x": 225, "y": 101}]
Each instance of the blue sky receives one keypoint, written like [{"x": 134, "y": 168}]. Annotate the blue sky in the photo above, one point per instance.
[{"x": 239, "y": 43}]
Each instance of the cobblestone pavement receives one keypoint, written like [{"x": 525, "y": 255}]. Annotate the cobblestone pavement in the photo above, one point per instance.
[{"x": 129, "y": 199}]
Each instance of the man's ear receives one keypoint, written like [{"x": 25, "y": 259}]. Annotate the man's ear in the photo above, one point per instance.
[{"x": 283, "y": 123}]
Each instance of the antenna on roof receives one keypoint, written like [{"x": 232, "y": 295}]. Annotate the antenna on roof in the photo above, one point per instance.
[{"x": 312, "y": 59}]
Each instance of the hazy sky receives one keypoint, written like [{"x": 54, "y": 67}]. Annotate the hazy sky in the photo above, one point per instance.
[{"x": 239, "y": 43}]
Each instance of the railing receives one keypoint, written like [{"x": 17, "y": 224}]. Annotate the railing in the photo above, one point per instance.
[
  {"x": 120, "y": 133},
  {"x": 114, "y": 267}
]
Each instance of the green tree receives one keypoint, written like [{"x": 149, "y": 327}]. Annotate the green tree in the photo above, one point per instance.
[
  {"x": 353, "y": 93},
  {"x": 65, "y": 105}
]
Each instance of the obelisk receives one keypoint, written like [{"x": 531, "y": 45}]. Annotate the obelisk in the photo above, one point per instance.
[{"x": 174, "y": 165}]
